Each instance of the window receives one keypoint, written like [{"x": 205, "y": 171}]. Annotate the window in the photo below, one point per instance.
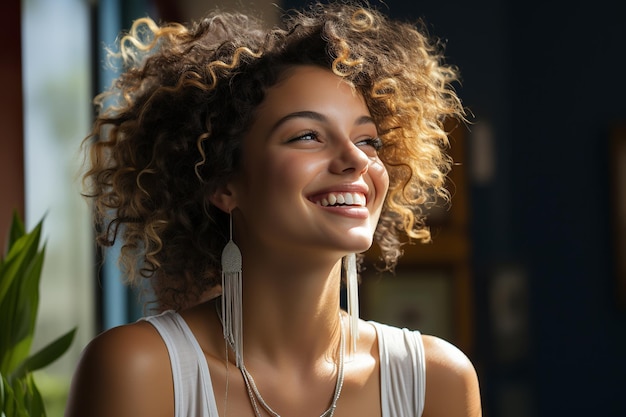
[{"x": 55, "y": 53}]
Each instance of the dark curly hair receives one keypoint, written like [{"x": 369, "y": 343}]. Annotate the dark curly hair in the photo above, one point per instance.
[{"x": 168, "y": 132}]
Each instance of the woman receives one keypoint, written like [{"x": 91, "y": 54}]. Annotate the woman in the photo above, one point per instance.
[{"x": 240, "y": 166}]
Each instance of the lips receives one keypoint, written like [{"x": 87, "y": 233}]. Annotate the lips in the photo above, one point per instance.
[{"x": 333, "y": 199}]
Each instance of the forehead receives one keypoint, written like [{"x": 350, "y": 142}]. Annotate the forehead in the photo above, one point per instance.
[{"x": 310, "y": 88}]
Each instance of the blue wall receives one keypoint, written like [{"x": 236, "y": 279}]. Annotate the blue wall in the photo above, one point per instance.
[{"x": 567, "y": 77}]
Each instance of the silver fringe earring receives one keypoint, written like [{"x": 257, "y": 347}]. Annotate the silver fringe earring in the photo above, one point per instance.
[
  {"x": 352, "y": 286},
  {"x": 232, "y": 318}
]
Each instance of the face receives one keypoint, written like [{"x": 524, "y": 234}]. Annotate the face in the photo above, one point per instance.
[{"x": 311, "y": 178}]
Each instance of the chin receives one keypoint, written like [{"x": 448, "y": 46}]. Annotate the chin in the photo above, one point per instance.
[{"x": 360, "y": 244}]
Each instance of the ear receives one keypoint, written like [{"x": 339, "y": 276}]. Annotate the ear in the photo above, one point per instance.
[{"x": 224, "y": 198}]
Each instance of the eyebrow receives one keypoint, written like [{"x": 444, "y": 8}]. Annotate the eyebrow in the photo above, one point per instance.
[{"x": 312, "y": 115}]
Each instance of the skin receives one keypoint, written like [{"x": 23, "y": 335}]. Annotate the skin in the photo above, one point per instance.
[{"x": 291, "y": 248}]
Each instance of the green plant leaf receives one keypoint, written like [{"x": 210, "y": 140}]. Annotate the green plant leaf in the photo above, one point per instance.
[
  {"x": 45, "y": 356},
  {"x": 19, "y": 399},
  {"x": 19, "y": 293},
  {"x": 20, "y": 275},
  {"x": 5, "y": 280},
  {"x": 2, "y": 396},
  {"x": 25, "y": 308},
  {"x": 34, "y": 402},
  {"x": 22, "y": 399},
  {"x": 8, "y": 310},
  {"x": 30, "y": 291},
  {"x": 8, "y": 405},
  {"x": 18, "y": 258},
  {"x": 16, "y": 230}
]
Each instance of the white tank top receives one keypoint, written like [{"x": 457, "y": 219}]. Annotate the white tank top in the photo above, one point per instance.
[{"x": 402, "y": 369}]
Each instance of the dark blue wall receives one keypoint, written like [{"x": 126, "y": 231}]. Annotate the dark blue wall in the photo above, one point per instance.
[
  {"x": 567, "y": 77},
  {"x": 548, "y": 77}
]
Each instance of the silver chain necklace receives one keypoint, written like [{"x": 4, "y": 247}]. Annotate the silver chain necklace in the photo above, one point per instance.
[{"x": 255, "y": 395}]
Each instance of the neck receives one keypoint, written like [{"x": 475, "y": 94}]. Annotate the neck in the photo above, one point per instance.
[{"x": 290, "y": 310}]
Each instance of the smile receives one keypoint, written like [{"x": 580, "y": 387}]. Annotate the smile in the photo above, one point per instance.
[{"x": 340, "y": 199}]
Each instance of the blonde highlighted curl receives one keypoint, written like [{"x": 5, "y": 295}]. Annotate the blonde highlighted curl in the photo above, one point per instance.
[{"x": 168, "y": 133}]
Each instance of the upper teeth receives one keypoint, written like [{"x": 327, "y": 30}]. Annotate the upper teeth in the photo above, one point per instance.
[{"x": 351, "y": 199}]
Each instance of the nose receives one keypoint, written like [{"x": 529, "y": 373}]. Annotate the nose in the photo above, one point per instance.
[{"x": 349, "y": 159}]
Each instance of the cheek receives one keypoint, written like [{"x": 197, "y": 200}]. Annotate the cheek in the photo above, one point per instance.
[
  {"x": 298, "y": 168},
  {"x": 284, "y": 176}
]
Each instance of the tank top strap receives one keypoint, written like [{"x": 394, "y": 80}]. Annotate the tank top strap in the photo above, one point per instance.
[
  {"x": 193, "y": 390},
  {"x": 402, "y": 371}
]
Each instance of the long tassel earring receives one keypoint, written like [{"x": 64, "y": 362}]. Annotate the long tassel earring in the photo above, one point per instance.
[
  {"x": 232, "y": 317},
  {"x": 352, "y": 285}
]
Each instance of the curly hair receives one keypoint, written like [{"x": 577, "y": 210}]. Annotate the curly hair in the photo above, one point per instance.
[{"x": 168, "y": 132}]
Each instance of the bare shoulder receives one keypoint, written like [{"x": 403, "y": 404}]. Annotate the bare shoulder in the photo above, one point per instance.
[
  {"x": 124, "y": 371},
  {"x": 451, "y": 381}
]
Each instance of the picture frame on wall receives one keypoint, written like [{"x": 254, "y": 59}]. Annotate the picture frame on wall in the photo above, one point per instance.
[{"x": 415, "y": 299}]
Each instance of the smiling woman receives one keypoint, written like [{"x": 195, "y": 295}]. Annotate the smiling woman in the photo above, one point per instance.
[{"x": 242, "y": 168}]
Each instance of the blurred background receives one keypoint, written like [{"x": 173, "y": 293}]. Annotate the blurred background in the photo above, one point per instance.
[{"x": 527, "y": 270}]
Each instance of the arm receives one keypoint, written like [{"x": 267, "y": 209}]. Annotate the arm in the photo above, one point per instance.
[
  {"x": 451, "y": 381},
  {"x": 123, "y": 372}
]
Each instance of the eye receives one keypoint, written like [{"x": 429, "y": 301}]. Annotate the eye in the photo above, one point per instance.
[
  {"x": 305, "y": 137},
  {"x": 374, "y": 143}
]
